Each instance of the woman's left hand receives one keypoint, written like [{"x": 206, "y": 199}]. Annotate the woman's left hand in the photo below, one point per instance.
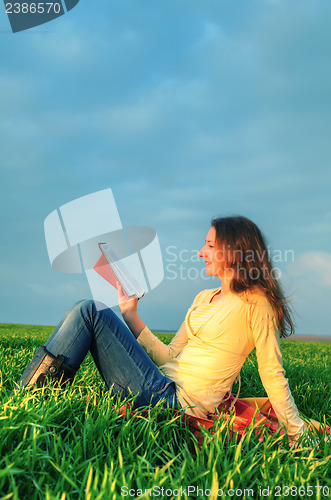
[{"x": 128, "y": 306}]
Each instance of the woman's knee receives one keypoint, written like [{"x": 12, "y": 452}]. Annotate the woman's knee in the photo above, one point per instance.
[
  {"x": 83, "y": 304},
  {"x": 91, "y": 307},
  {"x": 83, "y": 309},
  {"x": 86, "y": 305},
  {"x": 88, "y": 309}
]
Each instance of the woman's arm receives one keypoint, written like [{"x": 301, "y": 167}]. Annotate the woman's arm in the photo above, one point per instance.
[
  {"x": 159, "y": 352},
  {"x": 128, "y": 308},
  {"x": 272, "y": 373}
]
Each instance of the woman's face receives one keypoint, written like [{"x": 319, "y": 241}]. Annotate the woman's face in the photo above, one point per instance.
[{"x": 213, "y": 255}]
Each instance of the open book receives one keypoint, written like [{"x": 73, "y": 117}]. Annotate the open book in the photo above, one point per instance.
[{"x": 116, "y": 271}]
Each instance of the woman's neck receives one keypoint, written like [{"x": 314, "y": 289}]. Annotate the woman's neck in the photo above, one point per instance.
[
  {"x": 226, "y": 280},
  {"x": 225, "y": 289}
]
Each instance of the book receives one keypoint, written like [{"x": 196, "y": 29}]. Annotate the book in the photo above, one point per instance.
[{"x": 112, "y": 269}]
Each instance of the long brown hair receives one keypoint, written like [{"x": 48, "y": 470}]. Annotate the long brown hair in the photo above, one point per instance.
[{"x": 246, "y": 252}]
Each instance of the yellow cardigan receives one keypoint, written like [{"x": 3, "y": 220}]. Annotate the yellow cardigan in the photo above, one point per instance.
[{"x": 205, "y": 364}]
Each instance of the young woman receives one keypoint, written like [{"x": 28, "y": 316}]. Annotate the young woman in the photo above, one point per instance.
[{"x": 197, "y": 369}]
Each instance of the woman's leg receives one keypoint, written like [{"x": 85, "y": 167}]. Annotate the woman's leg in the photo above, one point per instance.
[{"x": 123, "y": 364}]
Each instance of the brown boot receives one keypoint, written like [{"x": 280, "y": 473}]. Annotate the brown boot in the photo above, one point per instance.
[{"x": 44, "y": 366}]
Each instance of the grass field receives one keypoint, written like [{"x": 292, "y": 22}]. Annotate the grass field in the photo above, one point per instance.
[{"x": 58, "y": 445}]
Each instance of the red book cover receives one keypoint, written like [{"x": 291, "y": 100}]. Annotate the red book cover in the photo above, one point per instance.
[{"x": 103, "y": 268}]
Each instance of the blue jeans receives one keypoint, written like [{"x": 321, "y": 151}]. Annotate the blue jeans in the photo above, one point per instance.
[{"x": 123, "y": 364}]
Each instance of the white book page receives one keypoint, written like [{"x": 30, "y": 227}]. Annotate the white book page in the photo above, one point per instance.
[{"x": 128, "y": 271}]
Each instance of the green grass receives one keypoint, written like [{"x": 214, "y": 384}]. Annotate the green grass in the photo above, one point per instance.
[{"x": 58, "y": 445}]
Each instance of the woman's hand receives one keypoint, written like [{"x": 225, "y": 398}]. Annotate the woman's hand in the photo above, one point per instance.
[{"x": 128, "y": 308}]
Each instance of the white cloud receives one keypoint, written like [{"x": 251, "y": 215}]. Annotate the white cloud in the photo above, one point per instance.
[
  {"x": 314, "y": 267},
  {"x": 66, "y": 46},
  {"x": 318, "y": 227},
  {"x": 307, "y": 282}
]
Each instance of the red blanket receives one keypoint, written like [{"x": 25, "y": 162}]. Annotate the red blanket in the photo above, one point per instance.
[
  {"x": 240, "y": 414},
  {"x": 244, "y": 412}
]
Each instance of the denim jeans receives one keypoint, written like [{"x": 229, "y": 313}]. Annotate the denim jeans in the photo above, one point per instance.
[{"x": 123, "y": 364}]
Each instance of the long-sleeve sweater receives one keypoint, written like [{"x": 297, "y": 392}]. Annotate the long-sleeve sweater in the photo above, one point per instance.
[{"x": 205, "y": 361}]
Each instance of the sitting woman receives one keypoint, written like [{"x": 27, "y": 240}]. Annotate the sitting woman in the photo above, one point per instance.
[{"x": 197, "y": 369}]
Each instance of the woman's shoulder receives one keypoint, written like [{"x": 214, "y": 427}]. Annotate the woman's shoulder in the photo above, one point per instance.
[{"x": 255, "y": 298}]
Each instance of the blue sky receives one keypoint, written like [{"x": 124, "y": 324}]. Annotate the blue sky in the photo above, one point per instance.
[{"x": 186, "y": 110}]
